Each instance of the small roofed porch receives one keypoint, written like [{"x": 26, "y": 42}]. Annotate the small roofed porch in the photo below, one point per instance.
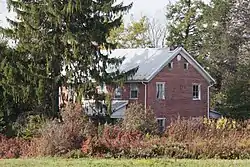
[{"x": 118, "y": 108}]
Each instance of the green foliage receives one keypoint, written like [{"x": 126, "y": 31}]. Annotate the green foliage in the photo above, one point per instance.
[
  {"x": 228, "y": 57},
  {"x": 108, "y": 100},
  {"x": 74, "y": 154},
  {"x": 30, "y": 128},
  {"x": 135, "y": 35},
  {"x": 217, "y": 35},
  {"x": 222, "y": 123},
  {"x": 2, "y": 125},
  {"x": 51, "y": 40},
  {"x": 237, "y": 102},
  {"x": 185, "y": 25},
  {"x": 10, "y": 106}
]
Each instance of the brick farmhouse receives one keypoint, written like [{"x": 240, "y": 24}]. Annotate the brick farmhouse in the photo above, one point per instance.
[{"x": 171, "y": 82}]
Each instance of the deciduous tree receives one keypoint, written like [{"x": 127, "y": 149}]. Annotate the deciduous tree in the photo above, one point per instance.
[
  {"x": 185, "y": 25},
  {"x": 139, "y": 34}
]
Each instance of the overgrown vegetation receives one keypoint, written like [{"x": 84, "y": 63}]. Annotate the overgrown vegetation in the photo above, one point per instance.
[
  {"x": 136, "y": 118},
  {"x": 57, "y": 138},
  {"x": 76, "y": 137},
  {"x": 58, "y": 43}
]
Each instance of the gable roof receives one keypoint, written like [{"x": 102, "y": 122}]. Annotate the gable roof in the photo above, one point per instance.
[{"x": 150, "y": 61}]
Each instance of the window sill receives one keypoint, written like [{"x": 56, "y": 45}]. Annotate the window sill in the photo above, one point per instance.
[
  {"x": 160, "y": 99},
  {"x": 196, "y": 99},
  {"x": 116, "y": 98},
  {"x": 131, "y": 98}
]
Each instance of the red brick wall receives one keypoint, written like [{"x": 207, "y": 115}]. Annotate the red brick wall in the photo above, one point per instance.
[
  {"x": 141, "y": 91},
  {"x": 178, "y": 92}
]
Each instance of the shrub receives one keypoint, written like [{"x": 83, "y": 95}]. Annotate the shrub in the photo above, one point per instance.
[
  {"x": 59, "y": 138},
  {"x": 205, "y": 138},
  {"x": 12, "y": 147},
  {"x": 185, "y": 138},
  {"x": 30, "y": 128},
  {"x": 74, "y": 154},
  {"x": 113, "y": 141},
  {"x": 185, "y": 129},
  {"x": 222, "y": 123},
  {"x": 136, "y": 118}
]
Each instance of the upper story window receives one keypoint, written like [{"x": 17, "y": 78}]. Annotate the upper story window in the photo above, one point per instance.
[
  {"x": 118, "y": 92},
  {"x": 133, "y": 91},
  {"x": 171, "y": 65},
  {"x": 196, "y": 91},
  {"x": 160, "y": 90},
  {"x": 185, "y": 65}
]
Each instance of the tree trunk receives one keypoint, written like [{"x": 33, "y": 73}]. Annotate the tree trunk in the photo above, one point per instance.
[{"x": 55, "y": 86}]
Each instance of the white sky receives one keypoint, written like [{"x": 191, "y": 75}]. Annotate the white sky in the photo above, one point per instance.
[{"x": 150, "y": 8}]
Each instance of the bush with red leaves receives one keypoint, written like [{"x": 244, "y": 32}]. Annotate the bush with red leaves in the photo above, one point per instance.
[
  {"x": 12, "y": 147},
  {"x": 116, "y": 142}
]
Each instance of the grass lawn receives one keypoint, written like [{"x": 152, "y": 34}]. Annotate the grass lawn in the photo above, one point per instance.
[{"x": 57, "y": 162}]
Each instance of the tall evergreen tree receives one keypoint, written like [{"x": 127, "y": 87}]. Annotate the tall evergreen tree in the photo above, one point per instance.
[
  {"x": 237, "y": 97},
  {"x": 10, "y": 108},
  {"x": 218, "y": 42},
  {"x": 55, "y": 37}
]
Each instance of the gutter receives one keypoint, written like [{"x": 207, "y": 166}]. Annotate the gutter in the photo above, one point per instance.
[
  {"x": 208, "y": 100},
  {"x": 145, "y": 96}
]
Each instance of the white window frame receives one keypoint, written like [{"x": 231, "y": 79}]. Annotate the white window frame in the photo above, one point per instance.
[
  {"x": 171, "y": 65},
  {"x": 163, "y": 121},
  {"x": 199, "y": 91},
  {"x": 186, "y": 65},
  {"x": 163, "y": 87},
  {"x": 115, "y": 92},
  {"x": 134, "y": 87}
]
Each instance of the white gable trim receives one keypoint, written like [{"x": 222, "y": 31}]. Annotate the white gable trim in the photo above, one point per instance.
[
  {"x": 191, "y": 61},
  {"x": 197, "y": 66},
  {"x": 175, "y": 53}
]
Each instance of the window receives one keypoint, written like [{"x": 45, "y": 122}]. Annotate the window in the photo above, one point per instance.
[
  {"x": 161, "y": 124},
  {"x": 196, "y": 92},
  {"x": 170, "y": 65},
  {"x": 185, "y": 66},
  {"x": 133, "y": 91},
  {"x": 118, "y": 92},
  {"x": 160, "y": 90}
]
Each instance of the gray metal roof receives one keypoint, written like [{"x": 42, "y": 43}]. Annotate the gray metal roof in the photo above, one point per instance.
[
  {"x": 150, "y": 61},
  {"x": 118, "y": 108},
  {"x": 116, "y": 105},
  {"x": 147, "y": 60}
]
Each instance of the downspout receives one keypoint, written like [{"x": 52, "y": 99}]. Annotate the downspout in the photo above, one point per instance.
[
  {"x": 145, "y": 97},
  {"x": 208, "y": 99}
]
